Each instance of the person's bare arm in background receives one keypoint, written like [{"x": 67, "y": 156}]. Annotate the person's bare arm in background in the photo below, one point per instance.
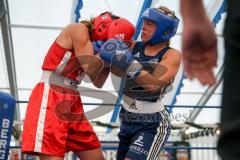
[{"x": 199, "y": 42}]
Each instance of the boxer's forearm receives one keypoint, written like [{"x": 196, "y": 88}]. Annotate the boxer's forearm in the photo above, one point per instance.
[{"x": 102, "y": 77}]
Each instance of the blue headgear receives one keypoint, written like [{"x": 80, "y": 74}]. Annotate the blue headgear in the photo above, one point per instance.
[{"x": 166, "y": 26}]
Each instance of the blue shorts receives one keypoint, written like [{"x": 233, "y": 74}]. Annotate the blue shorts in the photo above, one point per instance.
[{"x": 141, "y": 136}]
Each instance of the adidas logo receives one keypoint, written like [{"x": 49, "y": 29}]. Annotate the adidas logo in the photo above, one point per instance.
[
  {"x": 137, "y": 55},
  {"x": 133, "y": 106}
]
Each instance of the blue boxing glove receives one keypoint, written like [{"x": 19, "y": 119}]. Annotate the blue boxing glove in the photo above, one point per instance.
[
  {"x": 97, "y": 45},
  {"x": 118, "y": 55},
  {"x": 109, "y": 49}
]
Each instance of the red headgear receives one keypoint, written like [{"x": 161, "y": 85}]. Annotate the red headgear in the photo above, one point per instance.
[
  {"x": 121, "y": 29},
  {"x": 100, "y": 26}
]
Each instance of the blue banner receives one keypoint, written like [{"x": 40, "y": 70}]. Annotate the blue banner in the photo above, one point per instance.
[{"x": 7, "y": 108}]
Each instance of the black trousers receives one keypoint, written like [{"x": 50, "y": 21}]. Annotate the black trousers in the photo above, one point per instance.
[{"x": 229, "y": 142}]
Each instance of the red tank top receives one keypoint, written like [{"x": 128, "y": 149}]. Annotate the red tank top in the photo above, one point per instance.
[{"x": 62, "y": 60}]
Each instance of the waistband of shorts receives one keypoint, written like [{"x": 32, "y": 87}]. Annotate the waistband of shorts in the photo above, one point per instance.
[
  {"x": 130, "y": 117},
  {"x": 139, "y": 106},
  {"x": 58, "y": 80}
]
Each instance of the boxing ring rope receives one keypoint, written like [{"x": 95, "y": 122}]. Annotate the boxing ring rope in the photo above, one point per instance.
[
  {"x": 120, "y": 105},
  {"x": 168, "y": 106},
  {"x": 116, "y": 124},
  {"x": 115, "y": 148}
]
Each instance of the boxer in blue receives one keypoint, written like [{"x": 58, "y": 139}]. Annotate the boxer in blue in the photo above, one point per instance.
[{"x": 150, "y": 66}]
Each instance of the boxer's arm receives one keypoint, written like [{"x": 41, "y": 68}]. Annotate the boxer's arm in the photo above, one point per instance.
[
  {"x": 91, "y": 64},
  {"x": 102, "y": 76},
  {"x": 163, "y": 74}
]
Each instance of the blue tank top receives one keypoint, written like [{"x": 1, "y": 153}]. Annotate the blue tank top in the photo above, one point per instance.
[{"x": 132, "y": 88}]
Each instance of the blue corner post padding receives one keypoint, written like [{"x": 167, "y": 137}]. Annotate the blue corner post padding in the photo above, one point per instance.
[{"x": 7, "y": 108}]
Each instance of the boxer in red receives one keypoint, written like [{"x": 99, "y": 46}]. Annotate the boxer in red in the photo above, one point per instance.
[{"x": 55, "y": 121}]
